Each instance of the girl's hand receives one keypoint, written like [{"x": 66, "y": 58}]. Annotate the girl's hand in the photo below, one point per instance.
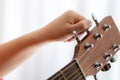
[{"x": 62, "y": 27}]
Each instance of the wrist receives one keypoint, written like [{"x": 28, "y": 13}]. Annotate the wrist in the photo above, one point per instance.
[{"x": 38, "y": 37}]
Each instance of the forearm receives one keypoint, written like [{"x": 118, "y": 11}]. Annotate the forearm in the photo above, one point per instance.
[{"x": 18, "y": 50}]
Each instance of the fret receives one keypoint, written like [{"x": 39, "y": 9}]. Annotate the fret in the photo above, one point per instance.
[
  {"x": 77, "y": 76},
  {"x": 70, "y": 71},
  {"x": 63, "y": 75},
  {"x": 73, "y": 75},
  {"x": 57, "y": 76}
]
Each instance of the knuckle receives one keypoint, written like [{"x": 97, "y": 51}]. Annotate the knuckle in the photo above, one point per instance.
[{"x": 70, "y": 12}]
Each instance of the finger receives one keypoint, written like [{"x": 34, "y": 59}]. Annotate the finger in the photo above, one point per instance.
[
  {"x": 73, "y": 37},
  {"x": 78, "y": 18},
  {"x": 82, "y": 26}
]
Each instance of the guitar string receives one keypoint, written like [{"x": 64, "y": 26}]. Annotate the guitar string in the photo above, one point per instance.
[
  {"x": 92, "y": 69},
  {"x": 73, "y": 74},
  {"x": 65, "y": 78},
  {"x": 61, "y": 72},
  {"x": 88, "y": 66},
  {"x": 101, "y": 60},
  {"x": 63, "y": 75},
  {"x": 92, "y": 50},
  {"x": 90, "y": 54},
  {"x": 102, "y": 56},
  {"x": 94, "y": 42},
  {"x": 82, "y": 56},
  {"x": 77, "y": 75}
]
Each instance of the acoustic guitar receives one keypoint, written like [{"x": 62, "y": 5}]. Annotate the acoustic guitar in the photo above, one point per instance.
[{"x": 93, "y": 53}]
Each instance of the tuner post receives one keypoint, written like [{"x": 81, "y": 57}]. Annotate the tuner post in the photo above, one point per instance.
[
  {"x": 115, "y": 47},
  {"x": 106, "y": 27},
  {"x": 97, "y": 36},
  {"x": 98, "y": 65},
  {"x": 95, "y": 19},
  {"x": 88, "y": 46},
  {"x": 76, "y": 36},
  {"x": 107, "y": 56}
]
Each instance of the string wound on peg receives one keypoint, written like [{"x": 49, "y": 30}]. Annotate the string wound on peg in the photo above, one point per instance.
[
  {"x": 76, "y": 36},
  {"x": 95, "y": 19}
]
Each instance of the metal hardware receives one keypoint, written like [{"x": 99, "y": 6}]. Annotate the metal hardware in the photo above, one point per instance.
[
  {"x": 98, "y": 36},
  {"x": 76, "y": 36},
  {"x": 115, "y": 47},
  {"x": 107, "y": 56},
  {"x": 98, "y": 65},
  {"x": 88, "y": 46},
  {"x": 106, "y": 27},
  {"x": 95, "y": 19},
  {"x": 114, "y": 58},
  {"x": 106, "y": 67}
]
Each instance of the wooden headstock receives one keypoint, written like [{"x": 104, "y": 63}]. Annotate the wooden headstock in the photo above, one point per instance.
[{"x": 98, "y": 47}]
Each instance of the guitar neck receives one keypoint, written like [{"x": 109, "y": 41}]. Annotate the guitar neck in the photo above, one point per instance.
[{"x": 72, "y": 71}]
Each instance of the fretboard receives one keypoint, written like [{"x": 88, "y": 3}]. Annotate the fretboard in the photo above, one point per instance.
[{"x": 72, "y": 71}]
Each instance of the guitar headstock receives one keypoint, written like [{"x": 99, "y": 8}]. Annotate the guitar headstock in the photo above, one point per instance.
[{"x": 98, "y": 47}]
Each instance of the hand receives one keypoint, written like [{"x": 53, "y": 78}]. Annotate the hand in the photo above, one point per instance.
[{"x": 62, "y": 27}]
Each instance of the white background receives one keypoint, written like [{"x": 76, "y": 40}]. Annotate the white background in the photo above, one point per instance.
[{"x": 18, "y": 17}]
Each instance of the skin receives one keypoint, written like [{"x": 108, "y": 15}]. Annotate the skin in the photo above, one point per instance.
[{"x": 16, "y": 51}]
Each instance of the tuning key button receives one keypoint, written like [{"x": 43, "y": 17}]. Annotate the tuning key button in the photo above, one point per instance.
[
  {"x": 106, "y": 27},
  {"x": 106, "y": 67},
  {"x": 98, "y": 36},
  {"x": 98, "y": 65},
  {"x": 114, "y": 58},
  {"x": 88, "y": 46},
  {"x": 107, "y": 56},
  {"x": 115, "y": 47}
]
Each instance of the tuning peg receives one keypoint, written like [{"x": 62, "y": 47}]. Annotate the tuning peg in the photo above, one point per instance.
[
  {"x": 107, "y": 56},
  {"x": 115, "y": 47},
  {"x": 114, "y": 58},
  {"x": 76, "y": 36},
  {"x": 98, "y": 36},
  {"x": 98, "y": 65},
  {"x": 88, "y": 46},
  {"x": 106, "y": 67},
  {"x": 106, "y": 27},
  {"x": 95, "y": 19}
]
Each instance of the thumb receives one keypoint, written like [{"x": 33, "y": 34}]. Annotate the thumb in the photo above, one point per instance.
[{"x": 82, "y": 25}]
